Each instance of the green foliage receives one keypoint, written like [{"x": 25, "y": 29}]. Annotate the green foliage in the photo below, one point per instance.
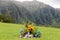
[
  {"x": 35, "y": 30},
  {"x": 5, "y": 19}
]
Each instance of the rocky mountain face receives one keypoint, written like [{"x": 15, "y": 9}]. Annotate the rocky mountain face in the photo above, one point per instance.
[{"x": 34, "y": 11}]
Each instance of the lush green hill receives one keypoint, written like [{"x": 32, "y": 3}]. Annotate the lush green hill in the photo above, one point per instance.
[
  {"x": 11, "y": 32},
  {"x": 34, "y": 11}
]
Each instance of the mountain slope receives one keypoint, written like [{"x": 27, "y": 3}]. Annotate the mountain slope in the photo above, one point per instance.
[{"x": 34, "y": 11}]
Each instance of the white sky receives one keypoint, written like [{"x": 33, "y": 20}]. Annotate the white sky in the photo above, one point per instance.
[{"x": 53, "y": 3}]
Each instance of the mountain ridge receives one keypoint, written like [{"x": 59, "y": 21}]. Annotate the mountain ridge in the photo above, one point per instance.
[{"x": 36, "y": 12}]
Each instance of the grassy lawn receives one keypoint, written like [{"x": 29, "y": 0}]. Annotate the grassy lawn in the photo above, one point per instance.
[{"x": 11, "y": 32}]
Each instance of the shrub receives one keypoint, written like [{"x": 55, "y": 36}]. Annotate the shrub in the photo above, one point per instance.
[{"x": 5, "y": 19}]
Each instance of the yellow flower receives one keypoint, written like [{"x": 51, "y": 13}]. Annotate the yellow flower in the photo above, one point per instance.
[{"x": 30, "y": 27}]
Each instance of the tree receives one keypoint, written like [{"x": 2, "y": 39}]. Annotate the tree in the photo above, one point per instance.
[{"x": 5, "y": 19}]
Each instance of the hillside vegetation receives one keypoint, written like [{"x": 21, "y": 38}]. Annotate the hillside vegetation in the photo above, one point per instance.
[{"x": 34, "y": 11}]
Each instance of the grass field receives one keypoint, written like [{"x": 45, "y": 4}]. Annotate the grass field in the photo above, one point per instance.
[{"x": 11, "y": 32}]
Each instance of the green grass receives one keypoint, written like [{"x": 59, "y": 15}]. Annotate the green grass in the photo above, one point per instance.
[{"x": 11, "y": 32}]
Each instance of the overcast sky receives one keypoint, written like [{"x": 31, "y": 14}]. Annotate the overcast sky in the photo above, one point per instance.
[{"x": 53, "y": 3}]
